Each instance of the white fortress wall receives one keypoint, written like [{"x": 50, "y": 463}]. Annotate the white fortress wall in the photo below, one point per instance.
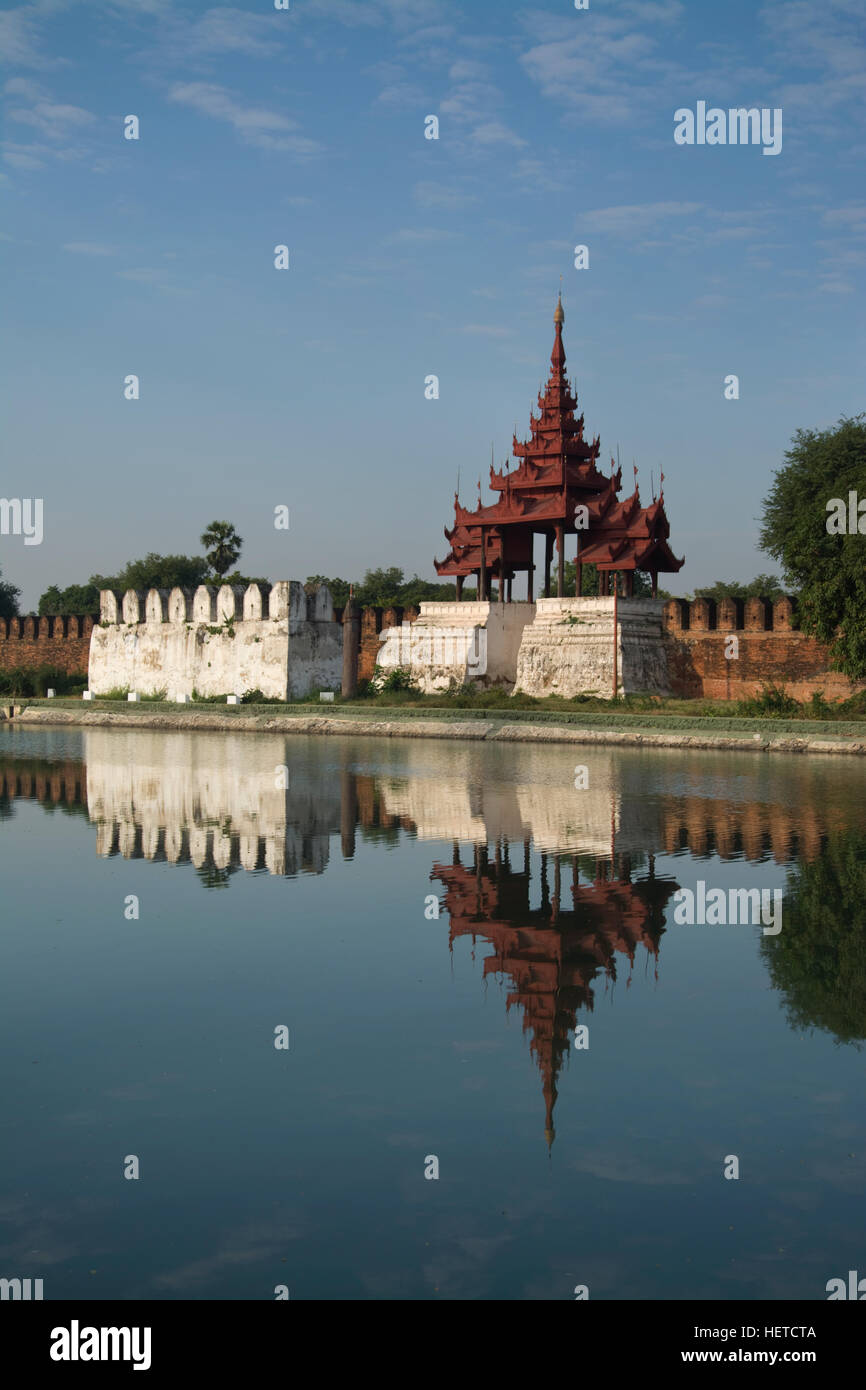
[
  {"x": 461, "y": 642},
  {"x": 281, "y": 641}
]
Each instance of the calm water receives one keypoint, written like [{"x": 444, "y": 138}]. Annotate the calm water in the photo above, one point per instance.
[{"x": 413, "y": 1036}]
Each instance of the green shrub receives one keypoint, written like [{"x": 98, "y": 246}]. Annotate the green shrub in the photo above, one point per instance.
[{"x": 773, "y": 702}]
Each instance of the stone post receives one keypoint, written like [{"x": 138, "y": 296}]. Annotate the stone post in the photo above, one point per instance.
[{"x": 351, "y": 647}]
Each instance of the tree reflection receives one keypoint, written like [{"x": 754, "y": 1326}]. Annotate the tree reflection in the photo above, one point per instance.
[{"x": 818, "y": 960}]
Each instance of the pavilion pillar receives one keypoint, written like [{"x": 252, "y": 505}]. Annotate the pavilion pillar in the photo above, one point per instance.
[
  {"x": 482, "y": 581},
  {"x": 548, "y": 556},
  {"x": 655, "y": 575},
  {"x": 502, "y": 565},
  {"x": 510, "y": 577},
  {"x": 629, "y": 584},
  {"x": 460, "y": 579},
  {"x": 529, "y": 573},
  {"x": 560, "y": 561}
]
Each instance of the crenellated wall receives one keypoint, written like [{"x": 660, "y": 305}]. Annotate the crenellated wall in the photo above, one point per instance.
[
  {"x": 28, "y": 643},
  {"x": 280, "y": 640},
  {"x": 767, "y": 650}
]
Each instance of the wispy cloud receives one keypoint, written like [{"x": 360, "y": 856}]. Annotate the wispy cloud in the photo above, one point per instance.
[
  {"x": 269, "y": 130},
  {"x": 632, "y": 220},
  {"x": 89, "y": 248},
  {"x": 53, "y": 119},
  {"x": 428, "y": 194}
]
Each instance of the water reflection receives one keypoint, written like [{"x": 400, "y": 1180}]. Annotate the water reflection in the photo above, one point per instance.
[{"x": 560, "y": 883}]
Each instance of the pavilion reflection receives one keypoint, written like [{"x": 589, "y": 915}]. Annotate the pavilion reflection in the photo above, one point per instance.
[
  {"x": 553, "y": 954},
  {"x": 561, "y": 886}
]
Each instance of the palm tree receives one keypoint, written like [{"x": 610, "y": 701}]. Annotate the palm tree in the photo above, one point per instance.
[{"x": 222, "y": 546}]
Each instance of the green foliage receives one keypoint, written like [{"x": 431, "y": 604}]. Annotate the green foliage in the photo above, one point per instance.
[
  {"x": 818, "y": 960},
  {"x": 222, "y": 546},
  {"x": 35, "y": 681},
  {"x": 767, "y": 586},
  {"x": 156, "y": 572},
  {"x": 255, "y": 697},
  {"x": 339, "y": 588},
  {"x": 828, "y": 571},
  {"x": 397, "y": 679},
  {"x": 9, "y": 596},
  {"x": 77, "y": 598},
  {"x": 773, "y": 702},
  {"x": 642, "y": 582}
]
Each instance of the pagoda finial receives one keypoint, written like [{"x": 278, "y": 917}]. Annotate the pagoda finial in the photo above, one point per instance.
[{"x": 557, "y": 357}]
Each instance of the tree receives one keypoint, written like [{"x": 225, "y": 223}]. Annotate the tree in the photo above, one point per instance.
[
  {"x": 642, "y": 582},
  {"x": 222, "y": 546},
  {"x": 818, "y": 961},
  {"x": 339, "y": 588},
  {"x": 827, "y": 569},
  {"x": 9, "y": 596},
  {"x": 77, "y": 598},
  {"x": 762, "y": 586},
  {"x": 156, "y": 572}
]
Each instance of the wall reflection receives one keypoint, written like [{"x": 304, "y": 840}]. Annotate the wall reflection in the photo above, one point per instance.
[{"x": 559, "y": 885}]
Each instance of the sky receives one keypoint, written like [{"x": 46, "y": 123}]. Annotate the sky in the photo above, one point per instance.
[{"x": 409, "y": 257}]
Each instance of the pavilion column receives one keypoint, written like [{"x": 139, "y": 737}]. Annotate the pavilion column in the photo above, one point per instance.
[
  {"x": 629, "y": 584},
  {"x": 502, "y": 565},
  {"x": 510, "y": 577},
  {"x": 459, "y": 587},
  {"x": 482, "y": 584},
  {"x": 560, "y": 561},
  {"x": 655, "y": 583},
  {"x": 548, "y": 556},
  {"x": 529, "y": 573}
]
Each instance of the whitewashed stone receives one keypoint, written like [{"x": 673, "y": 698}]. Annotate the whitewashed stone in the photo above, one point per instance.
[
  {"x": 568, "y": 649},
  {"x": 284, "y": 655},
  {"x": 460, "y": 643}
]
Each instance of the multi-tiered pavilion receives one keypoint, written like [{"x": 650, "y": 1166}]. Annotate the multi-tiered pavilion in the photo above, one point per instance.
[{"x": 557, "y": 491}]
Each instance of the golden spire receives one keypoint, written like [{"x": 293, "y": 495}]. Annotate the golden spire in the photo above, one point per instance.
[{"x": 559, "y": 312}]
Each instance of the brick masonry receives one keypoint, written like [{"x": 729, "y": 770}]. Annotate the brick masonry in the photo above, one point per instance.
[
  {"x": 770, "y": 650},
  {"x": 28, "y": 643},
  {"x": 373, "y": 620}
]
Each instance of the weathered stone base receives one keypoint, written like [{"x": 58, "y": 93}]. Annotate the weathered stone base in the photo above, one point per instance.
[
  {"x": 464, "y": 643},
  {"x": 568, "y": 649}
]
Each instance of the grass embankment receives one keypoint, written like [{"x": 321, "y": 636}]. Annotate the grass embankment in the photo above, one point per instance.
[{"x": 770, "y": 715}]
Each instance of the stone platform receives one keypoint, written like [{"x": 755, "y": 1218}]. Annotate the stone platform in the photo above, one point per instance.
[
  {"x": 464, "y": 643},
  {"x": 568, "y": 648}
]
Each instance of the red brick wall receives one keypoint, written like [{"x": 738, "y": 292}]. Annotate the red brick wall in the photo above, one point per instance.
[
  {"x": 770, "y": 651},
  {"x": 373, "y": 620},
  {"x": 27, "y": 643}
]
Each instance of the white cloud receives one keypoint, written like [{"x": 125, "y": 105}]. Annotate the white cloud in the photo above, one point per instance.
[
  {"x": 634, "y": 219},
  {"x": 52, "y": 119},
  {"x": 266, "y": 129}
]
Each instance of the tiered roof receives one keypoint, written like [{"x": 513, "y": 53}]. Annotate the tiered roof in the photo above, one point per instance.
[{"x": 557, "y": 472}]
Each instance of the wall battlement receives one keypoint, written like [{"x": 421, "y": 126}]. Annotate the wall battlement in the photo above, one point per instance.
[
  {"x": 704, "y": 661},
  {"x": 276, "y": 638},
  {"x": 61, "y": 642},
  {"x": 729, "y": 615}
]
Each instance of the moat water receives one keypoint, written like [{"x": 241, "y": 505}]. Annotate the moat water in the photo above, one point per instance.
[{"x": 580, "y": 1067}]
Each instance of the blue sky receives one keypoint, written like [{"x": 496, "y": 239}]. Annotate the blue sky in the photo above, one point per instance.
[{"x": 408, "y": 257}]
